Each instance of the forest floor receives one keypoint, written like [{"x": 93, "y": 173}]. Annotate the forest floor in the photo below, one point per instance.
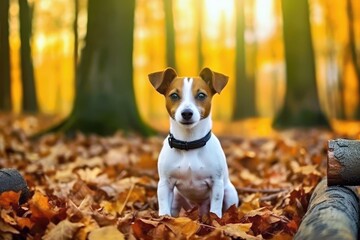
[{"x": 91, "y": 187}]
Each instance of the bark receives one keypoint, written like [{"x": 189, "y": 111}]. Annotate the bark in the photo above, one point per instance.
[
  {"x": 343, "y": 162},
  {"x": 244, "y": 106},
  {"x": 29, "y": 102},
  {"x": 5, "y": 76},
  {"x": 11, "y": 180},
  {"x": 105, "y": 100},
  {"x": 352, "y": 46},
  {"x": 333, "y": 213},
  {"x": 301, "y": 107},
  {"x": 170, "y": 33}
]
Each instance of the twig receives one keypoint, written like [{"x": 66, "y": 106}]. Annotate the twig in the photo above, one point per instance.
[
  {"x": 273, "y": 196},
  {"x": 147, "y": 186},
  {"x": 127, "y": 198},
  {"x": 254, "y": 190}
]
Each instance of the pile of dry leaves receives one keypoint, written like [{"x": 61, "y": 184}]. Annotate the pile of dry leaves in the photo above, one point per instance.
[{"x": 92, "y": 187}]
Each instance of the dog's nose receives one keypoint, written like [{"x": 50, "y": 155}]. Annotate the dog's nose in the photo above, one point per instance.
[{"x": 187, "y": 114}]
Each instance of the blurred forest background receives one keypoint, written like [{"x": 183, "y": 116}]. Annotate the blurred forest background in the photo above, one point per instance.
[{"x": 290, "y": 63}]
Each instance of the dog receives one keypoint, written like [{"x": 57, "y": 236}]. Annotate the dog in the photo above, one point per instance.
[{"x": 192, "y": 165}]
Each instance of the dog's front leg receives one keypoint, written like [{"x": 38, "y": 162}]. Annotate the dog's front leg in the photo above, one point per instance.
[
  {"x": 217, "y": 196},
  {"x": 165, "y": 194}
]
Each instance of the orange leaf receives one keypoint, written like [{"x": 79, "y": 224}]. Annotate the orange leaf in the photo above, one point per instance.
[
  {"x": 40, "y": 206},
  {"x": 182, "y": 226},
  {"x": 8, "y": 198},
  {"x": 141, "y": 227},
  {"x": 24, "y": 222}
]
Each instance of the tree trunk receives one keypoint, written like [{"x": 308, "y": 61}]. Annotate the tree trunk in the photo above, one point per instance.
[
  {"x": 29, "y": 102},
  {"x": 170, "y": 33},
  {"x": 343, "y": 162},
  {"x": 244, "y": 106},
  {"x": 5, "y": 77},
  {"x": 105, "y": 100},
  {"x": 352, "y": 47},
  {"x": 333, "y": 213},
  {"x": 76, "y": 33},
  {"x": 301, "y": 107}
]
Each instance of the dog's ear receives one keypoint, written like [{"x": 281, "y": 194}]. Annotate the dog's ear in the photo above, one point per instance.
[
  {"x": 216, "y": 81},
  {"x": 161, "y": 80}
]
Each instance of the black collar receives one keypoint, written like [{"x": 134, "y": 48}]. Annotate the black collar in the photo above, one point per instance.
[{"x": 183, "y": 145}]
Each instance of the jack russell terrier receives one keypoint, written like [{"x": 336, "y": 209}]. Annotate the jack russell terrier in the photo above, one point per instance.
[{"x": 192, "y": 165}]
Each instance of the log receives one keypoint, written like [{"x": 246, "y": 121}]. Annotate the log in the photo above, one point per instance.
[
  {"x": 11, "y": 180},
  {"x": 333, "y": 213},
  {"x": 343, "y": 165}
]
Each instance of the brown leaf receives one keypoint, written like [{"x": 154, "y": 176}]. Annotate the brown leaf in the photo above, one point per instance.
[
  {"x": 6, "y": 228},
  {"x": 141, "y": 228},
  {"x": 62, "y": 231},
  {"x": 182, "y": 226},
  {"x": 237, "y": 230}
]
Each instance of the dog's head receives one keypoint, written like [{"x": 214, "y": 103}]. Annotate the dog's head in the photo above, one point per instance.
[{"x": 188, "y": 99}]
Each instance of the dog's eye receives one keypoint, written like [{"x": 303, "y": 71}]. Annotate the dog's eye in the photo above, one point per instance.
[
  {"x": 201, "y": 96},
  {"x": 174, "y": 96}
]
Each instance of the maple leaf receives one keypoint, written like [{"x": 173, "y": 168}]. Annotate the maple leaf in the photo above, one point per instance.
[
  {"x": 106, "y": 233},
  {"x": 182, "y": 226},
  {"x": 9, "y": 198},
  {"x": 62, "y": 231}
]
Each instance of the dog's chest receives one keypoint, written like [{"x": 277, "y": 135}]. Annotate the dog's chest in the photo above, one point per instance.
[{"x": 191, "y": 174}]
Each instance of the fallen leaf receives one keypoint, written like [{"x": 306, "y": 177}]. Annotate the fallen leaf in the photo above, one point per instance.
[
  {"x": 237, "y": 230},
  {"x": 106, "y": 233},
  {"x": 62, "y": 231},
  {"x": 6, "y": 228},
  {"x": 8, "y": 198},
  {"x": 40, "y": 206},
  {"x": 182, "y": 226}
]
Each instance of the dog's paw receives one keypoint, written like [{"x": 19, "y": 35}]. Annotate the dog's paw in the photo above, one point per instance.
[{"x": 164, "y": 213}]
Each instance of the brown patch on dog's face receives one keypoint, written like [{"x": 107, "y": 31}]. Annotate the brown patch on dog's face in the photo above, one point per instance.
[
  {"x": 202, "y": 94},
  {"x": 175, "y": 89}
]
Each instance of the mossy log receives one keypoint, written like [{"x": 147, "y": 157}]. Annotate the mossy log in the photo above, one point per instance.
[
  {"x": 343, "y": 166},
  {"x": 333, "y": 213}
]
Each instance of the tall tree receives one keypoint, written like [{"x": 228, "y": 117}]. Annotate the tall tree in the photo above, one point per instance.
[
  {"x": 170, "y": 33},
  {"x": 76, "y": 33},
  {"x": 29, "y": 102},
  {"x": 301, "y": 107},
  {"x": 5, "y": 77},
  {"x": 105, "y": 100},
  {"x": 352, "y": 46},
  {"x": 244, "y": 106}
]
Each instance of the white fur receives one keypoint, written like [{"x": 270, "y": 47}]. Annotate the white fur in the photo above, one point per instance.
[{"x": 195, "y": 177}]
